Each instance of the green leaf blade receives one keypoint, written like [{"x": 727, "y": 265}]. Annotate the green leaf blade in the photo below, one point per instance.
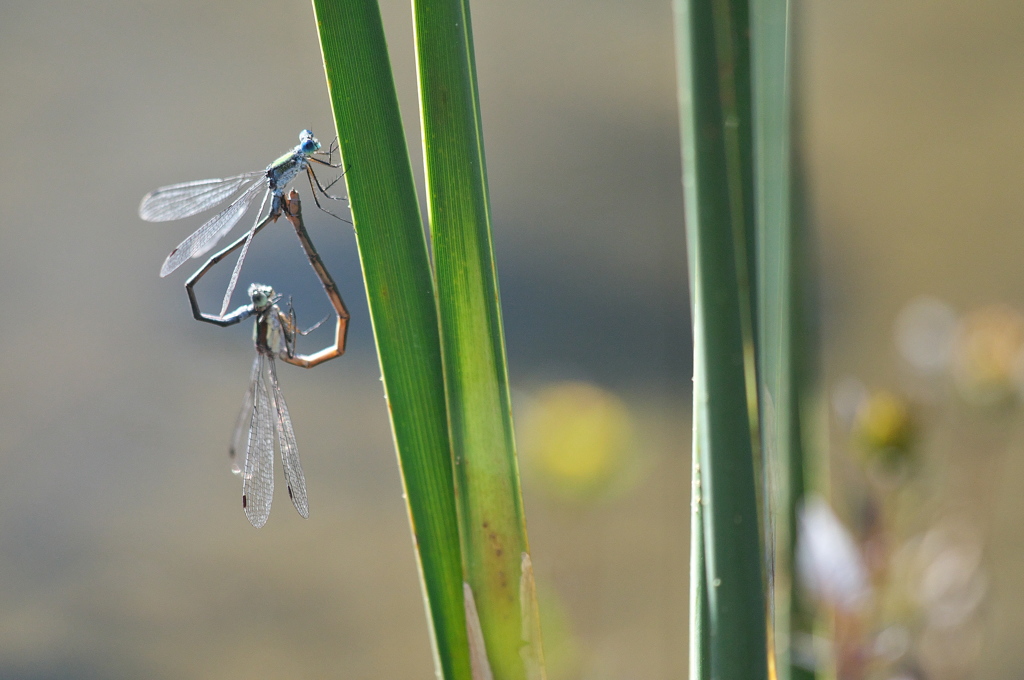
[
  {"x": 487, "y": 476},
  {"x": 399, "y": 286},
  {"x": 776, "y": 287},
  {"x": 728, "y": 608}
]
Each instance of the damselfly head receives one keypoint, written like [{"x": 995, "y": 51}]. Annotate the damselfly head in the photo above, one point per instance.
[
  {"x": 308, "y": 143},
  {"x": 262, "y": 296}
]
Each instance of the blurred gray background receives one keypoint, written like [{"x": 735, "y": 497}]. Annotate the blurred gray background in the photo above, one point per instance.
[
  {"x": 123, "y": 549},
  {"x": 123, "y": 552}
]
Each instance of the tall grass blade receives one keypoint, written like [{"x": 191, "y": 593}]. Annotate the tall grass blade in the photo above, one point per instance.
[
  {"x": 487, "y": 477},
  {"x": 771, "y": 105},
  {"x": 782, "y": 338},
  {"x": 714, "y": 92},
  {"x": 700, "y": 634},
  {"x": 399, "y": 286}
]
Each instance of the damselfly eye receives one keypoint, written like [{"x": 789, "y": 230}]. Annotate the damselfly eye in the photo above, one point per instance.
[
  {"x": 260, "y": 295},
  {"x": 307, "y": 142}
]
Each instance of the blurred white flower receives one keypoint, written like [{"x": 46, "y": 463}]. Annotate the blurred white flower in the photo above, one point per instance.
[
  {"x": 848, "y": 396},
  {"x": 827, "y": 558},
  {"x": 925, "y": 331},
  {"x": 892, "y": 643},
  {"x": 953, "y": 582}
]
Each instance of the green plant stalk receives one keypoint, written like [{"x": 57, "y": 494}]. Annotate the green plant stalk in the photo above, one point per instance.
[
  {"x": 776, "y": 307},
  {"x": 700, "y": 637},
  {"x": 491, "y": 519},
  {"x": 784, "y": 344},
  {"x": 399, "y": 287},
  {"x": 700, "y": 628},
  {"x": 717, "y": 180}
]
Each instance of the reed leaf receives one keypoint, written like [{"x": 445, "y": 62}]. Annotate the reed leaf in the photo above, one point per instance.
[
  {"x": 491, "y": 522},
  {"x": 400, "y": 290},
  {"x": 715, "y": 109},
  {"x": 783, "y": 342}
]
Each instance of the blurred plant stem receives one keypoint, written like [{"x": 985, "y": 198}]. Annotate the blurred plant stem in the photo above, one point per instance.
[
  {"x": 700, "y": 656},
  {"x": 784, "y": 353},
  {"x": 715, "y": 107}
]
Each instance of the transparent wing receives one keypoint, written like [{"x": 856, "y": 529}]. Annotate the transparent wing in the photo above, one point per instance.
[
  {"x": 244, "y": 420},
  {"x": 177, "y": 201},
  {"x": 206, "y": 236},
  {"x": 241, "y": 257},
  {"x": 258, "y": 477},
  {"x": 289, "y": 449}
]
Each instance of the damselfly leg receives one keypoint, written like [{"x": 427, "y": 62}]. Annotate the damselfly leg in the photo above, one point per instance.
[
  {"x": 178, "y": 201},
  {"x": 292, "y": 211},
  {"x": 264, "y": 411}
]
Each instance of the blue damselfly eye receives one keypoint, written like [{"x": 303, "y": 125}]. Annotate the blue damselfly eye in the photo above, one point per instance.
[
  {"x": 178, "y": 201},
  {"x": 307, "y": 142}
]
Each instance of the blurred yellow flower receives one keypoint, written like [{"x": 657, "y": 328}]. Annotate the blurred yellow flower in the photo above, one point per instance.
[
  {"x": 987, "y": 354},
  {"x": 576, "y": 439},
  {"x": 884, "y": 428}
]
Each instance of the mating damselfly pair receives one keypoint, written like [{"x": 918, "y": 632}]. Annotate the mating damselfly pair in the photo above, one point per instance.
[{"x": 275, "y": 334}]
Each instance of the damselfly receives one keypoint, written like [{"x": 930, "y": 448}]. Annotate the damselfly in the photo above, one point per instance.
[
  {"x": 178, "y": 201},
  {"x": 264, "y": 411}
]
